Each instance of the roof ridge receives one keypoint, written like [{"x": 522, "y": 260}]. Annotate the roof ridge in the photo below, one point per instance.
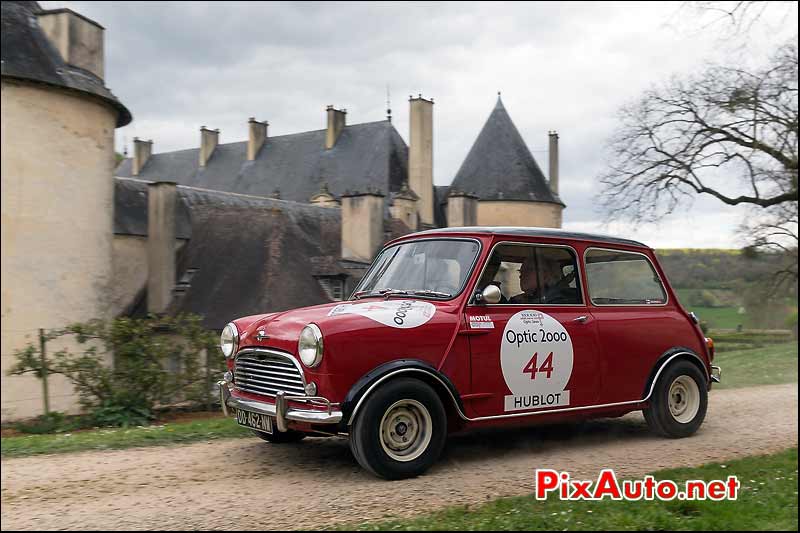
[{"x": 270, "y": 137}]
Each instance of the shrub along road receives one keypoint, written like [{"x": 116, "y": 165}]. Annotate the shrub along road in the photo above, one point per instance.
[{"x": 249, "y": 484}]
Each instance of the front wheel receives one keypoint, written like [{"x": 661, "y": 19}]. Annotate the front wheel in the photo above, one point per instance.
[
  {"x": 679, "y": 402},
  {"x": 400, "y": 430}
]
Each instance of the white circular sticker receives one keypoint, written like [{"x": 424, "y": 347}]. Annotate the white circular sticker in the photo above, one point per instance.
[
  {"x": 402, "y": 314},
  {"x": 536, "y": 360}
]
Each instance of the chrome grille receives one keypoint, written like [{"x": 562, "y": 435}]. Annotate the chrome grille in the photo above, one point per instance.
[{"x": 264, "y": 372}]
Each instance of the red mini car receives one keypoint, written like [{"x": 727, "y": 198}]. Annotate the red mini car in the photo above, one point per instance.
[{"x": 472, "y": 327}]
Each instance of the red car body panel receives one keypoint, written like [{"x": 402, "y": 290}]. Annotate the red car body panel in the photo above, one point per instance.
[{"x": 616, "y": 348}]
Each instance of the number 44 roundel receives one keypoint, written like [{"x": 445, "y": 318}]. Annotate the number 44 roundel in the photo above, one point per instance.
[{"x": 536, "y": 358}]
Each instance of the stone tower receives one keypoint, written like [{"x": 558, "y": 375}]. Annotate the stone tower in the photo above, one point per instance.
[{"x": 58, "y": 122}]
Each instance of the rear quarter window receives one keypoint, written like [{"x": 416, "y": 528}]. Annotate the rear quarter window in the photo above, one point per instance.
[{"x": 622, "y": 278}]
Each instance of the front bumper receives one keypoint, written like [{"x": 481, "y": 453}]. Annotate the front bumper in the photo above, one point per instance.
[{"x": 280, "y": 410}]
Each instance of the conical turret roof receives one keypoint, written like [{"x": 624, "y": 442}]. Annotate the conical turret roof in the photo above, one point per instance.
[{"x": 500, "y": 166}]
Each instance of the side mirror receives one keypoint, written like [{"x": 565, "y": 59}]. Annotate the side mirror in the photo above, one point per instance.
[{"x": 491, "y": 295}]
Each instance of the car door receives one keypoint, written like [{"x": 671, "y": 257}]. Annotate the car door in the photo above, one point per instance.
[{"x": 534, "y": 353}]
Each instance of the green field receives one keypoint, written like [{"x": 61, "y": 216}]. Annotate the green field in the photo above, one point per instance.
[
  {"x": 760, "y": 366},
  {"x": 767, "y": 501},
  {"x": 719, "y": 317}
]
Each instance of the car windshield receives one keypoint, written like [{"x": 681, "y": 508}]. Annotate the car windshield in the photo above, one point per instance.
[{"x": 434, "y": 268}]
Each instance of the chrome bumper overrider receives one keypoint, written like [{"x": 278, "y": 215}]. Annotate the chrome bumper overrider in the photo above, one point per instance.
[
  {"x": 280, "y": 410},
  {"x": 716, "y": 374}
]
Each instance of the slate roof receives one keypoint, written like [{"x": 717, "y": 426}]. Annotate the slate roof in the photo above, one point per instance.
[
  {"x": 370, "y": 155},
  {"x": 27, "y": 54},
  {"x": 130, "y": 210},
  {"x": 242, "y": 248},
  {"x": 500, "y": 166}
]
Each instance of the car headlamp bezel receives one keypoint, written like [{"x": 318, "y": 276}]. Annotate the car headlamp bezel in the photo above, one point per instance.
[
  {"x": 229, "y": 340},
  {"x": 310, "y": 346}
]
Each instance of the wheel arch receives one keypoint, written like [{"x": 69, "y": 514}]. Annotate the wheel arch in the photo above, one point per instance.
[
  {"x": 674, "y": 354},
  {"x": 413, "y": 368}
]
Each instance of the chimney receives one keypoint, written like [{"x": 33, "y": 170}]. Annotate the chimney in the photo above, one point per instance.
[
  {"x": 336, "y": 123},
  {"x": 208, "y": 141},
  {"x": 78, "y": 39},
  {"x": 257, "y": 137},
  {"x": 362, "y": 225},
  {"x": 553, "y": 161},
  {"x": 462, "y": 209},
  {"x": 142, "y": 150},
  {"x": 420, "y": 156},
  {"x": 404, "y": 207},
  {"x": 161, "y": 206}
]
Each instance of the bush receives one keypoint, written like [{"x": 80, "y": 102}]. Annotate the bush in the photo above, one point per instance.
[
  {"x": 52, "y": 422},
  {"x": 125, "y": 367},
  {"x": 791, "y": 323},
  {"x": 704, "y": 298}
]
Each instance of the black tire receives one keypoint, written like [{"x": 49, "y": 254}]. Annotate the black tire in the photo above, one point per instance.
[
  {"x": 277, "y": 437},
  {"x": 408, "y": 400},
  {"x": 660, "y": 417}
]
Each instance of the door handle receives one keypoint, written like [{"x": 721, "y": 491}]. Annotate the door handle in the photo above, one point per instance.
[{"x": 581, "y": 319}]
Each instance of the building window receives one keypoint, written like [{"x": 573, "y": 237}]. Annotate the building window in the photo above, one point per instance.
[{"x": 333, "y": 287}]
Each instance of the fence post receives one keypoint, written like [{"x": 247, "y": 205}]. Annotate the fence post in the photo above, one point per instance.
[
  {"x": 208, "y": 379},
  {"x": 42, "y": 354}
]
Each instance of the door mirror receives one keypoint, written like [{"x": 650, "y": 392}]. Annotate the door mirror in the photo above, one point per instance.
[{"x": 491, "y": 295}]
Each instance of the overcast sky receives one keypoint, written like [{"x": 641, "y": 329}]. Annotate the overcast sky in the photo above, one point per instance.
[{"x": 560, "y": 66}]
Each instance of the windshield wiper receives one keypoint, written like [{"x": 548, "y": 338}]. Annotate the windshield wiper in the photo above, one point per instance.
[
  {"x": 428, "y": 292},
  {"x": 380, "y": 292},
  {"x": 390, "y": 292}
]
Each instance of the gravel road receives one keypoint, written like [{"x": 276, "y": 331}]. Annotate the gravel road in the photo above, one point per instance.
[{"x": 248, "y": 484}]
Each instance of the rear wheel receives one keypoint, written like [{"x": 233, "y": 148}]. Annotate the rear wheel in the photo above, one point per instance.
[
  {"x": 679, "y": 401},
  {"x": 400, "y": 430},
  {"x": 279, "y": 437}
]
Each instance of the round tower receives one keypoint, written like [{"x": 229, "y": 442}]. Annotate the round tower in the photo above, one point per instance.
[{"x": 58, "y": 122}]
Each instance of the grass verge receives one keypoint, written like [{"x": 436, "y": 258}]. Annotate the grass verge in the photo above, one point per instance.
[
  {"x": 767, "y": 501},
  {"x": 116, "y": 439}
]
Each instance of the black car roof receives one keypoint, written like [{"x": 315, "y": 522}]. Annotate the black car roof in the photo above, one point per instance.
[{"x": 516, "y": 231}]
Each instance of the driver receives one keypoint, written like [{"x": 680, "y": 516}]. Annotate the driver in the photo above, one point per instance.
[{"x": 532, "y": 293}]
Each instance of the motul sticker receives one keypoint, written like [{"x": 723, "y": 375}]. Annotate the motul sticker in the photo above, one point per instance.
[
  {"x": 481, "y": 322},
  {"x": 536, "y": 359},
  {"x": 402, "y": 314}
]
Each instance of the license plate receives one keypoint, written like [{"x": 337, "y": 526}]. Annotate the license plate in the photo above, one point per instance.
[{"x": 254, "y": 421}]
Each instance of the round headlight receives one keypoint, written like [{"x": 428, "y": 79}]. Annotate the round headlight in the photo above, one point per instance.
[
  {"x": 229, "y": 340},
  {"x": 310, "y": 346}
]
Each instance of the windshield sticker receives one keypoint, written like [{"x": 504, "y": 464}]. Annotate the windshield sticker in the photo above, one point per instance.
[
  {"x": 402, "y": 314},
  {"x": 536, "y": 359},
  {"x": 481, "y": 322}
]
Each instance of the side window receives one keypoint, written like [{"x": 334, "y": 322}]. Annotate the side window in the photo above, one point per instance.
[
  {"x": 529, "y": 274},
  {"x": 622, "y": 278}
]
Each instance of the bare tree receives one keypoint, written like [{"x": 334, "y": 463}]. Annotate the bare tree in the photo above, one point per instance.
[
  {"x": 730, "y": 18},
  {"x": 729, "y": 133}
]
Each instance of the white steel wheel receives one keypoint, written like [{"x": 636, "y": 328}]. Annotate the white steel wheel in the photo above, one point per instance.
[
  {"x": 406, "y": 430},
  {"x": 684, "y": 399}
]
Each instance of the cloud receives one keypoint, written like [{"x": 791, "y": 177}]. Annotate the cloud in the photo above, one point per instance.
[{"x": 563, "y": 66}]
